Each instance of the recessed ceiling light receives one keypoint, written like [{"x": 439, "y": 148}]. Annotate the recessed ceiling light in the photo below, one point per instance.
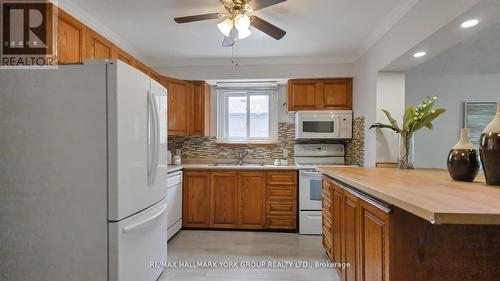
[
  {"x": 419, "y": 54},
  {"x": 469, "y": 23}
]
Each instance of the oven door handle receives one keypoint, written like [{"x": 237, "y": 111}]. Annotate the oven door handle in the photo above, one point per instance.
[{"x": 306, "y": 173}]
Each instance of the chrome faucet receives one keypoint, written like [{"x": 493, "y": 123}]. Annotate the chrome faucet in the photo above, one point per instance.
[{"x": 241, "y": 156}]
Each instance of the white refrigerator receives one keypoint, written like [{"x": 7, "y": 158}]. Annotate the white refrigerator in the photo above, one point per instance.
[{"x": 83, "y": 174}]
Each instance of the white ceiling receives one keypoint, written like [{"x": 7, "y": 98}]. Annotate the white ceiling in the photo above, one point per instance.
[{"x": 332, "y": 30}]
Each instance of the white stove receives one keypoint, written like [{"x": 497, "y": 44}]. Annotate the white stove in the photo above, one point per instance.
[{"x": 307, "y": 158}]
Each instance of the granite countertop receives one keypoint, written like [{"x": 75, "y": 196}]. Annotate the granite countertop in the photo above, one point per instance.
[
  {"x": 246, "y": 167},
  {"x": 428, "y": 193},
  {"x": 211, "y": 166}
]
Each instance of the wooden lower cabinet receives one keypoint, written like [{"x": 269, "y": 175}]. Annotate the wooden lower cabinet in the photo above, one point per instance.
[
  {"x": 196, "y": 199},
  {"x": 359, "y": 234},
  {"x": 222, "y": 199},
  {"x": 374, "y": 238},
  {"x": 350, "y": 244},
  {"x": 252, "y": 200}
]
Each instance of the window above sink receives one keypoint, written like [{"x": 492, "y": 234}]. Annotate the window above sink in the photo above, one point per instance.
[{"x": 247, "y": 116}]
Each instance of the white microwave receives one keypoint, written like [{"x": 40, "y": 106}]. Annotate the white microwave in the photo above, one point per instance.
[{"x": 332, "y": 124}]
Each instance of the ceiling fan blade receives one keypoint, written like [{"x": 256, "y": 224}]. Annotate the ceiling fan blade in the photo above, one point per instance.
[
  {"x": 268, "y": 28},
  {"x": 231, "y": 39},
  {"x": 261, "y": 4},
  {"x": 198, "y": 18}
]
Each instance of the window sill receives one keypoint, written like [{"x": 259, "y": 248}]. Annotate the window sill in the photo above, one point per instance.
[{"x": 247, "y": 145}]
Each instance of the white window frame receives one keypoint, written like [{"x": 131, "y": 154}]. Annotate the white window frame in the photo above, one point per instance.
[{"x": 222, "y": 115}]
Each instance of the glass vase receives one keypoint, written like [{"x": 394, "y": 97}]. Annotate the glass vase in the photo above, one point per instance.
[{"x": 406, "y": 152}]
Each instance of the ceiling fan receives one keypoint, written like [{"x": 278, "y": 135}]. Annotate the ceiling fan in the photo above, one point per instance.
[{"x": 237, "y": 22}]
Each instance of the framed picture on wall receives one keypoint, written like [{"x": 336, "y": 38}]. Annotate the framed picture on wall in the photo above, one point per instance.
[{"x": 477, "y": 115}]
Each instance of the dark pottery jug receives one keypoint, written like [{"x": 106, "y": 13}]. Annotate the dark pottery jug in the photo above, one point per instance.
[
  {"x": 463, "y": 163},
  {"x": 490, "y": 150}
]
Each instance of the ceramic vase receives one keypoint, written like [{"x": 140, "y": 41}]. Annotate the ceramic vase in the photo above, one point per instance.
[
  {"x": 490, "y": 150},
  {"x": 463, "y": 163}
]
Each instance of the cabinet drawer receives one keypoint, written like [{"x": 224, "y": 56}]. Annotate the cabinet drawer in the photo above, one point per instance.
[
  {"x": 327, "y": 230},
  {"x": 327, "y": 189},
  {"x": 282, "y": 178},
  {"x": 281, "y": 208},
  {"x": 281, "y": 192},
  {"x": 281, "y": 222},
  {"x": 327, "y": 208}
]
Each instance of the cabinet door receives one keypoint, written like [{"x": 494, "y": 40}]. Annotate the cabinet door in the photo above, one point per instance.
[
  {"x": 98, "y": 47},
  {"x": 199, "y": 106},
  {"x": 70, "y": 39},
  {"x": 336, "y": 94},
  {"x": 351, "y": 235},
  {"x": 196, "y": 199},
  {"x": 337, "y": 228},
  {"x": 177, "y": 108},
  {"x": 252, "y": 199},
  {"x": 224, "y": 196},
  {"x": 302, "y": 94},
  {"x": 374, "y": 249}
]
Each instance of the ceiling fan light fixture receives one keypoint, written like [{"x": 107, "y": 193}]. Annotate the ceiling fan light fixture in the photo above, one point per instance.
[
  {"x": 242, "y": 23},
  {"x": 244, "y": 33},
  {"x": 225, "y": 27}
]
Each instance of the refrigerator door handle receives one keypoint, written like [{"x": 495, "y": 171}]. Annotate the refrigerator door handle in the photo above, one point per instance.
[
  {"x": 145, "y": 221},
  {"x": 157, "y": 138},
  {"x": 153, "y": 139}
]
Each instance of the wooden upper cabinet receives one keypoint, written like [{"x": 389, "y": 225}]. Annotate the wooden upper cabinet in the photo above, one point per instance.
[
  {"x": 177, "y": 108},
  {"x": 336, "y": 94},
  {"x": 302, "y": 94},
  {"x": 224, "y": 199},
  {"x": 199, "y": 108},
  {"x": 98, "y": 47},
  {"x": 252, "y": 199},
  {"x": 320, "y": 94},
  {"x": 70, "y": 39},
  {"x": 196, "y": 199},
  {"x": 117, "y": 53}
]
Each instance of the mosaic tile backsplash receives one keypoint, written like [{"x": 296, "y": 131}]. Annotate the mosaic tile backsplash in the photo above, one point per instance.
[{"x": 205, "y": 148}]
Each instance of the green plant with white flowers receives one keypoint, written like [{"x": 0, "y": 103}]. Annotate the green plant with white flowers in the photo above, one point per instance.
[{"x": 414, "y": 119}]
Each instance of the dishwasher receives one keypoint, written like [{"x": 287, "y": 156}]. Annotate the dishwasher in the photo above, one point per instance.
[{"x": 174, "y": 203}]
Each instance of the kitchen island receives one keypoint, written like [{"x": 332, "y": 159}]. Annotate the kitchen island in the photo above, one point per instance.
[{"x": 414, "y": 225}]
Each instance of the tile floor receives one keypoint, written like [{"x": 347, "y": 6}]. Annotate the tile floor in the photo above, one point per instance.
[{"x": 288, "y": 251}]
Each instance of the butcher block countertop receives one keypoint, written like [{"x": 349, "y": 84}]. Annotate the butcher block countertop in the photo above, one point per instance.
[{"x": 428, "y": 193}]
